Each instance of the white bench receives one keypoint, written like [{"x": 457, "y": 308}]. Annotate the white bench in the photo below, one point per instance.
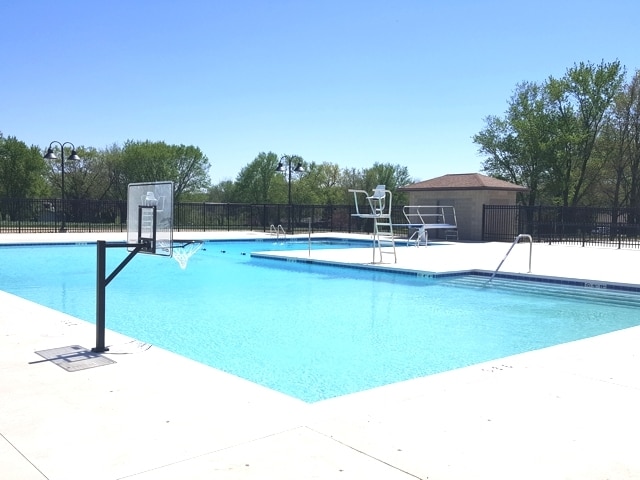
[{"x": 423, "y": 218}]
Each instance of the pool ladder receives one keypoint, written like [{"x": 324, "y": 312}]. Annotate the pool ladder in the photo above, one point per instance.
[
  {"x": 273, "y": 230},
  {"x": 515, "y": 242}
]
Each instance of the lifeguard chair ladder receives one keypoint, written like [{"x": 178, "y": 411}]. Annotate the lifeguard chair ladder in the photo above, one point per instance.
[{"x": 379, "y": 203}]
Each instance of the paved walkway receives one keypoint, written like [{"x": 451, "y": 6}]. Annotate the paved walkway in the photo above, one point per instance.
[{"x": 565, "y": 412}]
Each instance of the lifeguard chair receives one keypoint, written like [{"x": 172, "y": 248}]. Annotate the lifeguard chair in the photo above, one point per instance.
[{"x": 379, "y": 203}]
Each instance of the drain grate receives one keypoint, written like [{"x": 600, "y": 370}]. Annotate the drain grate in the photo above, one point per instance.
[{"x": 74, "y": 358}]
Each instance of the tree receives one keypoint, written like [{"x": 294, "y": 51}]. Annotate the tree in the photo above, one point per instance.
[
  {"x": 352, "y": 179},
  {"x": 625, "y": 123},
  {"x": 519, "y": 148},
  {"x": 632, "y": 105},
  {"x": 292, "y": 192},
  {"x": 112, "y": 157},
  {"x": 87, "y": 177},
  {"x": 21, "y": 169},
  {"x": 256, "y": 182},
  {"x": 391, "y": 176},
  {"x": 580, "y": 101},
  {"x": 618, "y": 146},
  {"x": 21, "y": 176},
  {"x": 223, "y": 192},
  {"x": 548, "y": 137},
  {"x": 147, "y": 161},
  {"x": 192, "y": 170},
  {"x": 320, "y": 185}
]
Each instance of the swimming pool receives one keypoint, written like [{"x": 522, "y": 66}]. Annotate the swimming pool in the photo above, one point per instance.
[{"x": 310, "y": 331}]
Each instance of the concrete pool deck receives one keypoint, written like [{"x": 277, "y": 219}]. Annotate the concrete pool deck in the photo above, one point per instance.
[{"x": 564, "y": 412}]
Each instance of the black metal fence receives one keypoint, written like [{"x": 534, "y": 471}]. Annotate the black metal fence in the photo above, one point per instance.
[
  {"x": 19, "y": 215},
  {"x": 613, "y": 227},
  {"x": 572, "y": 225},
  {"x": 53, "y": 215}
]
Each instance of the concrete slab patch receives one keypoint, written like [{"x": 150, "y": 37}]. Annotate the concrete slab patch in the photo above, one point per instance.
[{"x": 74, "y": 358}]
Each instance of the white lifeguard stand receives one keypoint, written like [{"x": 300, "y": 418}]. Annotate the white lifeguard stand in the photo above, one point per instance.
[{"x": 379, "y": 210}]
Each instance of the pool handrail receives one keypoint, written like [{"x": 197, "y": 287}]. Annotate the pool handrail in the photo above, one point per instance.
[
  {"x": 273, "y": 230},
  {"x": 515, "y": 242}
]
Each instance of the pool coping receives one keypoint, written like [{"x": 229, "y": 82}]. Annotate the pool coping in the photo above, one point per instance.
[
  {"x": 290, "y": 256},
  {"x": 559, "y": 412}
]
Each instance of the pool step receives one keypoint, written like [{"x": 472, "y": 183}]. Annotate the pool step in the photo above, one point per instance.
[{"x": 598, "y": 295}]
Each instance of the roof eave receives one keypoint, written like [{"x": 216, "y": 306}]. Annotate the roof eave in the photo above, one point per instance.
[{"x": 432, "y": 189}]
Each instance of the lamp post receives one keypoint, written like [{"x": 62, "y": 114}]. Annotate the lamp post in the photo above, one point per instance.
[
  {"x": 281, "y": 168},
  {"x": 52, "y": 156}
]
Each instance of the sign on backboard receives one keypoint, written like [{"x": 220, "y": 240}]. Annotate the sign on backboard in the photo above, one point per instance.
[{"x": 150, "y": 217}]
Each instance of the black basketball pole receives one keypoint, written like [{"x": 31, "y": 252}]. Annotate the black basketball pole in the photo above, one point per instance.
[
  {"x": 100, "y": 297},
  {"x": 146, "y": 243},
  {"x": 101, "y": 285}
]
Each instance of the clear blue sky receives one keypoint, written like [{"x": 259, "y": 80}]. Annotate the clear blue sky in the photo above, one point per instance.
[{"x": 349, "y": 82}]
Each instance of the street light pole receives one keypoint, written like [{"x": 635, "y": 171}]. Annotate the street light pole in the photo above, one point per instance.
[
  {"x": 52, "y": 156},
  {"x": 280, "y": 168}
]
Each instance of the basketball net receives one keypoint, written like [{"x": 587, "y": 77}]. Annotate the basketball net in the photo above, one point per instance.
[{"x": 183, "y": 251}]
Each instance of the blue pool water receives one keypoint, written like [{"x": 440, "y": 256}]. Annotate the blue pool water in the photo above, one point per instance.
[{"x": 310, "y": 331}]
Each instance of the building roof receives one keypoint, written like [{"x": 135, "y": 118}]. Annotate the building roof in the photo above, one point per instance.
[{"x": 464, "y": 181}]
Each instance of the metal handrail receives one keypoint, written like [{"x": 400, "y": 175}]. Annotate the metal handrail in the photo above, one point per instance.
[
  {"x": 273, "y": 230},
  {"x": 515, "y": 242}
]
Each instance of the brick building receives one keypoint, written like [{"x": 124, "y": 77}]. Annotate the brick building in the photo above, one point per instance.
[{"x": 467, "y": 193}]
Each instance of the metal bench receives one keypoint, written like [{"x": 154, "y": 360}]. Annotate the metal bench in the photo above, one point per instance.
[{"x": 423, "y": 218}]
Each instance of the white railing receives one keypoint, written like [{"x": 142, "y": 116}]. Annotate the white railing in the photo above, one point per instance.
[
  {"x": 515, "y": 242},
  {"x": 273, "y": 230}
]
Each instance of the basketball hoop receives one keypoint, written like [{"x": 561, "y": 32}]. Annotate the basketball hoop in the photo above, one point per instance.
[
  {"x": 150, "y": 217},
  {"x": 184, "y": 250}
]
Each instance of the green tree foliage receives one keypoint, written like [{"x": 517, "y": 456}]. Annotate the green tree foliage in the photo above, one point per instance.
[
  {"x": 573, "y": 140},
  {"x": 105, "y": 174},
  {"x": 257, "y": 182},
  {"x": 519, "y": 147},
  {"x": 320, "y": 185},
  {"x": 391, "y": 176},
  {"x": 192, "y": 169},
  {"x": 619, "y": 148},
  {"x": 112, "y": 162},
  {"x": 580, "y": 101},
  {"x": 147, "y": 161},
  {"x": 223, "y": 192},
  {"x": 547, "y": 140},
  {"x": 86, "y": 177},
  {"x": 21, "y": 169},
  {"x": 629, "y": 111}
]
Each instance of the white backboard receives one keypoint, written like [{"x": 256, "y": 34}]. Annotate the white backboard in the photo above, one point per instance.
[{"x": 150, "y": 217}]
